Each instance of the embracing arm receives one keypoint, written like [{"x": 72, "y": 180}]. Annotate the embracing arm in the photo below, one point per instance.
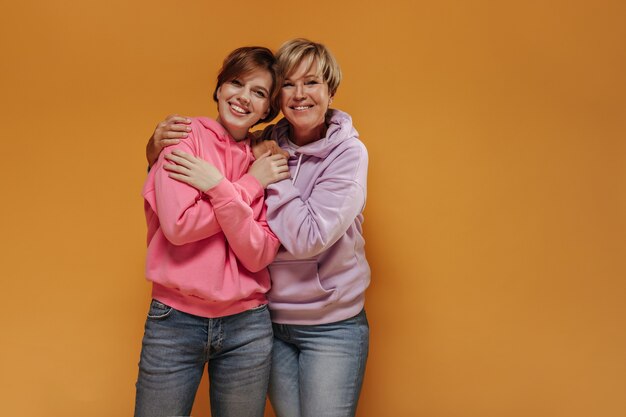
[
  {"x": 243, "y": 223},
  {"x": 308, "y": 227},
  {"x": 250, "y": 238},
  {"x": 167, "y": 133},
  {"x": 170, "y": 131},
  {"x": 185, "y": 216}
]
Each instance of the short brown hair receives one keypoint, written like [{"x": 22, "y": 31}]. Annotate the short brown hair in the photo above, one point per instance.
[
  {"x": 292, "y": 53},
  {"x": 244, "y": 60}
]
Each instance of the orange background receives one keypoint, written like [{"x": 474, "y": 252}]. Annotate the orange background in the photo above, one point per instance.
[{"x": 495, "y": 223}]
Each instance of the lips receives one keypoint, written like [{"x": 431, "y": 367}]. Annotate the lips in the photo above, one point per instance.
[
  {"x": 238, "y": 109},
  {"x": 301, "y": 108}
]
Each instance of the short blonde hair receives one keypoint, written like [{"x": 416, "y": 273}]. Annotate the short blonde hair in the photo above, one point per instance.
[{"x": 292, "y": 53}]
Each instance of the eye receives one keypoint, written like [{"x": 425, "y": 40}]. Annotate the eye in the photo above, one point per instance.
[
  {"x": 236, "y": 82},
  {"x": 312, "y": 82},
  {"x": 260, "y": 93},
  {"x": 287, "y": 84}
]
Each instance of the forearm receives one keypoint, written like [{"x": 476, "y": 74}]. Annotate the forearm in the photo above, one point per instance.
[
  {"x": 185, "y": 216},
  {"x": 254, "y": 244},
  {"x": 308, "y": 227},
  {"x": 249, "y": 189}
]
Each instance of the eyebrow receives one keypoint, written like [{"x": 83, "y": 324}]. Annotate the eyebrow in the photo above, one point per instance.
[{"x": 309, "y": 75}]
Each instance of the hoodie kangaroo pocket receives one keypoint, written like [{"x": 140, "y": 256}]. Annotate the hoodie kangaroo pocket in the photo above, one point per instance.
[{"x": 298, "y": 282}]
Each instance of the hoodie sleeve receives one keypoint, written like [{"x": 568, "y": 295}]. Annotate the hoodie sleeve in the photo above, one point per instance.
[
  {"x": 307, "y": 227},
  {"x": 254, "y": 244},
  {"x": 184, "y": 215},
  {"x": 249, "y": 188}
]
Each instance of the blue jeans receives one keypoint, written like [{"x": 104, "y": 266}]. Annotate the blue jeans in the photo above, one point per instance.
[
  {"x": 176, "y": 346},
  {"x": 317, "y": 371}
]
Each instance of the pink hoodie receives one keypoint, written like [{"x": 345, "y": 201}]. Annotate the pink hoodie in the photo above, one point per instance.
[{"x": 208, "y": 253}]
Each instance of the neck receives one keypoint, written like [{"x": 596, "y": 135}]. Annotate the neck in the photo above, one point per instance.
[{"x": 300, "y": 137}]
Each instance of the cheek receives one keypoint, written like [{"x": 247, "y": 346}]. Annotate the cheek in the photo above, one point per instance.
[
  {"x": 264, "y": 106},
  {"x": 324, "y": 98},
  {"x": 282, "y": 102}
]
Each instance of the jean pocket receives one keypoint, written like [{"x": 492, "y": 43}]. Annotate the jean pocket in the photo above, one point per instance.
[{"x": 158, "y": 310}]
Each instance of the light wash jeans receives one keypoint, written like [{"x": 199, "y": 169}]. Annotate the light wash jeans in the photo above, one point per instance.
[
  {"x": 317, "y": 371},
  {"x": 176, "y": 346}
]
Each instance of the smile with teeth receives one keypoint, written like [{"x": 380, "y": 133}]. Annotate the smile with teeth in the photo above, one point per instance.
[
  {"x": 301, "y": 107},
  {"x": 238, "y": 109}
]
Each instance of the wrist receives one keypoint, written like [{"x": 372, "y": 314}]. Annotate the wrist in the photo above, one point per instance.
[{"x": 212, "y": 184}]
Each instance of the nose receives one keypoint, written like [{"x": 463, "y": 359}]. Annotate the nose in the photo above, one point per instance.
[
  {"x": 299, "y": 92},
  {"x": 245, "y": 96}
]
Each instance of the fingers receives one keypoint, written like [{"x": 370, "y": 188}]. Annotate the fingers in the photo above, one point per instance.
[
  {"x": 276, "y": 157},
  {"x": 173, "y": 127},
  {"x": 181, "y": 178},
  {"x": 181, "y": 160},
  {"x": 179, "y": 169},
  {"x": 169, "y": 142},
  {"x": 175, "y": 118},
  {"x": 184, "y": 155},
  {"x": 170, "y": 134},
  {"x": 283, "y": 170},
  {"x": 179, "y": 127}
]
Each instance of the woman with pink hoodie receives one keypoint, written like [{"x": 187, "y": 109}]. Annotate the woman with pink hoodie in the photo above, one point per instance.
[
  {"x": 319, "y": 277},
  {"x": 209, "y": 246}
]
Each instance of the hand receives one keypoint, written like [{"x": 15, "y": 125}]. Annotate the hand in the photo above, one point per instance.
[
  {"x": 168, "y": 132},
  {"x": 193, "y": 171},
  {"x": 269, "y": 169},
  {"x": 259, "y": 147}
]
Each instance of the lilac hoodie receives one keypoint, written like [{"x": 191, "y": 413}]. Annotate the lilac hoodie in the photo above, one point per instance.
[{"x": 320, "y": 273}]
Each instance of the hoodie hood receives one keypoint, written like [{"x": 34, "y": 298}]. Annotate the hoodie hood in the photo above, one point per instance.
[
  {"x": 220, "y": 131},
  {"x": 339, "y": 130}
]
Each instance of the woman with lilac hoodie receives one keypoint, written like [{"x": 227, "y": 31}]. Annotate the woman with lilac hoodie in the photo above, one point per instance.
[{"x": 319, "y": 277}]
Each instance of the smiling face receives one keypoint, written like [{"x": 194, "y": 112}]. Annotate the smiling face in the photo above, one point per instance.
[
  {"x": 243, "y": 101},
  {"x": 304, "y": 100}
]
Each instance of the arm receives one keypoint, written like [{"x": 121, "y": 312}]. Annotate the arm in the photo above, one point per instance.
[
  {"x": 184, "y": 215},
  {"x": 170, "y": 131},
  {"x": 308, "y": 227},
  {"x": 251, "y": 239},
  {"x": 201, "y": 175},
  {"x": 248, "y": 234},
  {"x": 167, "y": 133}
]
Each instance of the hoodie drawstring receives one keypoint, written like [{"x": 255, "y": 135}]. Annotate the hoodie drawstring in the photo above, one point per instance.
[{"x": 295, "y": 175}]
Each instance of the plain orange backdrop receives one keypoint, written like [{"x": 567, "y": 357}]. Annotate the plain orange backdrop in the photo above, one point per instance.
[{"x": 496, "y": 214}]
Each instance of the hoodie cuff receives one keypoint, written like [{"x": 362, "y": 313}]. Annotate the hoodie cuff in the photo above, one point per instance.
[
  {"x": 283, "y": 186},
  {"x": 251, "y": 185},
  {"x": 221, "y": 194}
]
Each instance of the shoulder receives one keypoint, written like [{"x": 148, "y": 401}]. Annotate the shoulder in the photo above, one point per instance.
[
  {"x": 203, "y": 128},
  {"x": 352, "y": 149},
  {"x": 200, "y": 124},
  {"x": 347, "y": 161}
]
